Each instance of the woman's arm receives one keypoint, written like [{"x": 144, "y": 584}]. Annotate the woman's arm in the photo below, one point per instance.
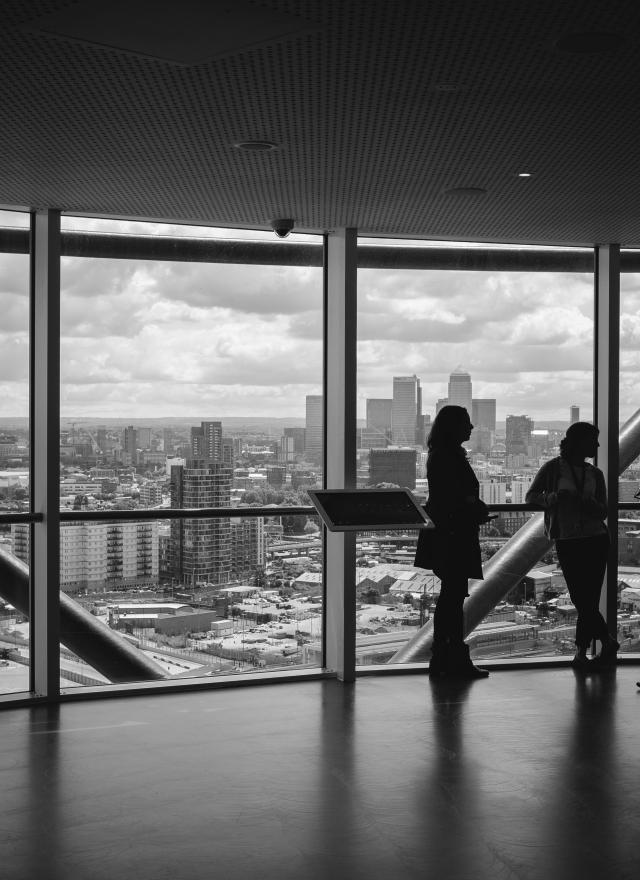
[{"x": 538, "y": 493}]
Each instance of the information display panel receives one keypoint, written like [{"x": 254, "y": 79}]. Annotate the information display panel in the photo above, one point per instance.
[{"x": 344, "y": 510}]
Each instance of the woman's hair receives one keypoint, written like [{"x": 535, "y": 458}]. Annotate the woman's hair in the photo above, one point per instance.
[
  {"x": 446, "y": 426},
  {"x": 573, "y": 442}
]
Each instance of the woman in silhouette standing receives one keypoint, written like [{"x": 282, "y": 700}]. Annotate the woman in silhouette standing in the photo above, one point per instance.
[
  {"x": 452, "y": 549},
  {"x": 573, "y": 495}
]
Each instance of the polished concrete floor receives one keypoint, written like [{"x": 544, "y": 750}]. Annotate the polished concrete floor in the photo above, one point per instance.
[{"x": 530, "y": 774}]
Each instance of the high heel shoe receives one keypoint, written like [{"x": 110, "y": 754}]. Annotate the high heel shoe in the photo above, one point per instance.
[
  {"x": 608, "y": 655},
  {"x": 581, "y": 661}
]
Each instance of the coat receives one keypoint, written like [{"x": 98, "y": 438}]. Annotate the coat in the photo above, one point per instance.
[{"x": 454, "y": 507}]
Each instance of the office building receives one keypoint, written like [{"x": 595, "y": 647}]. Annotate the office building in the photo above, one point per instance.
[
  {"x": 518, "y": 437},
  {"x": 493, "y": 491},
  {"x": 519, "y": 489},
  {"x": 144, "y": 438},
  {"x": 206, "y": 441},
  {"x": 460, "y": 390},
  {"x": 100, "y": 556},
  {"x": 574, "y": 414},
  {"x": 406, "y": 410},
  {"x": 483, "y": 416},
  {"x": 377, "y": 433},
  {"x": 297, "y": 436},
  {"x": 248, "y": 545},
  {"x": 313, "y": 428},
  {"x": 276, "y": 476},
  {"x": 393, "y": 465},
  {"x": 200, "y": 549},
  {"x": 130, "y": 443},
  {"x": 150, "y": 494}
]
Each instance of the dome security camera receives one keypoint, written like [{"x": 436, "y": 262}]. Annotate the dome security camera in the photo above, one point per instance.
[{"x": 282, "y": 227}]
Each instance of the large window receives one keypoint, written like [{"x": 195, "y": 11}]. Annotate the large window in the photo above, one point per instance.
[
  {"x": 14, "y": 450},
  {"x": 192, "y": 378},
  {"x": 629, "y": 483},
  {"x": 515, "y": 347}
]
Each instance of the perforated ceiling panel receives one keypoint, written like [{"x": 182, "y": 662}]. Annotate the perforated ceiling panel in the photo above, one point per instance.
[{"x": 398, "y": 117}]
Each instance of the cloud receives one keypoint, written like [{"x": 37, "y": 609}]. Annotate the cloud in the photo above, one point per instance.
[{"x": 144, "y": 338}]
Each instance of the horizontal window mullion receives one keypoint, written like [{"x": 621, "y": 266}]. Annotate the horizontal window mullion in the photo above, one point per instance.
[{"x": 184, "y": 513}]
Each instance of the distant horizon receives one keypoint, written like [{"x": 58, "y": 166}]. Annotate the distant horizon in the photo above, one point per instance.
[{"x": 245, "y": 420}]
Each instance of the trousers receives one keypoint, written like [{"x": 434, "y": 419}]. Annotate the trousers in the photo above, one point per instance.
[
  {"x": 583, "y": 562},
  {"x": 447, "y": 618}
]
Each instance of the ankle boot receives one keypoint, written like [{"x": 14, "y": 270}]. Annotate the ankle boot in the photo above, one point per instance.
[
  {"x": 438, "y": 663},
  {"x": 463, "y": 667},
  {"x": 608, "y": 655}
]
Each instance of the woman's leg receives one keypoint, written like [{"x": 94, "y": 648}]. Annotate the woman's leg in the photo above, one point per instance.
[
  {"x": 583, "y": 562},
  {"x": 447, "y": 618}
]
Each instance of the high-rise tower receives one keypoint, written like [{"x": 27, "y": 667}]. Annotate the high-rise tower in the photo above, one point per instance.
[
  {"x": 206, "y": 441},
  {"x": 406, "y": 411},
  {"x": 200, "y": 549},
  {"x": 313, "y": 428},
  {"x": 518, "y": 438},
  {"x": 460, "y": 390}
]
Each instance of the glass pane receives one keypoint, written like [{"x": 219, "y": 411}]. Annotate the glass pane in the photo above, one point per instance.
[
  {"x": 394, "y": 599},
  {"x": 191, "y": 385},
  {"x": 516, "y": 349},
  {"x": 14, "y": 455},
  {"x": 629, "y": 484},
  {"x": 267, "y": 616}
]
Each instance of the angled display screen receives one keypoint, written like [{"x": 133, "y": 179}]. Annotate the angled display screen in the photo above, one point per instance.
[{"x": 357, "y": 510}]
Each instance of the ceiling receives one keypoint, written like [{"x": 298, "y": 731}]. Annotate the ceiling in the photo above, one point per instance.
[{"x": 399, "y": 117}]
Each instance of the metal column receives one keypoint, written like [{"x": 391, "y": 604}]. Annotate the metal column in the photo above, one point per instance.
[
  {"x": 45, "y": 452},
  {"x": 606, "y": 403},
  {"x": 340, "y": 445}
]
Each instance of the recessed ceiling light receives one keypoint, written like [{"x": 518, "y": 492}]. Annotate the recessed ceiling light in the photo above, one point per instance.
[
  {"x": 256, "y": 146},
  {"x": 525, "y": 174},
  {"x": 590, "y": 42},
  {"x": 466, "y": 191}
]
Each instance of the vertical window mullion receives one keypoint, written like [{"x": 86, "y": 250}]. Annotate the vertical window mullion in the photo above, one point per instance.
[
  {"x": 45, "y": 460},
  {"x": 606, "y": 402},
  {"x": 340, "y": 446}
]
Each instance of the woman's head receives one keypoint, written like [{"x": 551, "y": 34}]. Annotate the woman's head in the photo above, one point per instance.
[
  {"x": 580, "y": 441},
  {"x": 451, "y": 427}
]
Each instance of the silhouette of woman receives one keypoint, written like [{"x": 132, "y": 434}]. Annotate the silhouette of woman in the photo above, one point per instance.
[
  {"x": 573, "y": 495},
  {"x": 452, "y": 549}
]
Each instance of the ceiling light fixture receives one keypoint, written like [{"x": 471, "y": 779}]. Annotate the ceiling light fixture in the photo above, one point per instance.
[
  {"x": 256, "y": 146},
  {"x": 524, "y": 174}
]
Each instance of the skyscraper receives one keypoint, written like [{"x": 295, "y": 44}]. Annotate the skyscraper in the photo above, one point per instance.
[
  {"x": 460, "y": 390},
  {"x": 574, "y": 414},
  {"x": 406, "y": 410},
  {"x": 313, "y": 428},
  {"x": 483, "y": 416},
  {"x": 483, "y": 412},
  {"x": 130, "y": 441},
  {"x": 518, "y": 438},
  {"x": 379, "y": 414},
  {"x": 200, "y": 549},
  {"x": 206, "y": 441}
]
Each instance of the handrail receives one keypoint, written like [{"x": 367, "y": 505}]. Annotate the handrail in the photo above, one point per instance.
[{"x": 80, "y": 631}]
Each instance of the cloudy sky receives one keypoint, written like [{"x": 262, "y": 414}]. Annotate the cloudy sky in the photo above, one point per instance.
[{"x": 144, "y": 339}]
